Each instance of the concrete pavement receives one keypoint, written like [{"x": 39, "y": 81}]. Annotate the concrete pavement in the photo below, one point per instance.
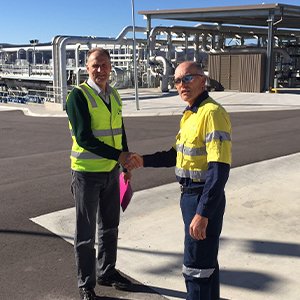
[{"x": 259, "y": 252}]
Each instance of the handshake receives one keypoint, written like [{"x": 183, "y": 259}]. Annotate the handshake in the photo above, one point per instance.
[{"x": 131, "y": 160}]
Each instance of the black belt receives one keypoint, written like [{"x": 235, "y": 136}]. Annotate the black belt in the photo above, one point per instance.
[{"x": 189, "y": 190}]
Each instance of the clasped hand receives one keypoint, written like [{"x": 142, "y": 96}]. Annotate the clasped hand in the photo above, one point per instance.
[{"x": 131, "y": 160}]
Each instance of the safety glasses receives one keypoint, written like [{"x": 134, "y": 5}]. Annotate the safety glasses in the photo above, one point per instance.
[{"x": 186, "y": 78}]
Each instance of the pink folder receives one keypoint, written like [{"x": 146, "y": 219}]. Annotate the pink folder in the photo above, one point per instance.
[{"x": 125, "y": 192}]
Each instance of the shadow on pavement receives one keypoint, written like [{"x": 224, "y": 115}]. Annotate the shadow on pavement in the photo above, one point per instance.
[
  {"x": 138, "y": 288},
  {"x": 248, "y": 279},
  {"x": 109, "y": 298},
  {"x": 240, "y": 278},
  {"x": 35, "y": 233},
  {"x": 274, "y": 248}
]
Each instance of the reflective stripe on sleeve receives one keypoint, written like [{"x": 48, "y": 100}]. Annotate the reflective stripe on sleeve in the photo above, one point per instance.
[
  {"x": 197, "y": 273},
  {"x": 218, "y": 135}
]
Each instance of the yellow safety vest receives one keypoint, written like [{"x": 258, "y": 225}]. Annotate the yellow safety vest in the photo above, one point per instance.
[
  {"x": 203, "y": 137},
  {"x": 106, "y": 126}
]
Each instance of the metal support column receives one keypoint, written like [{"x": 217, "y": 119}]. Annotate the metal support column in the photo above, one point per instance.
[
  {"x": 77, "y": 69},
  {"x": 148, "y": 50},
  {"x": 186, "y": 46},
  {"x": 148, "y": 35},
  {"x": 134, "y": 59},
  {"x": 196, "y": 47},
  {"x": 270, "y": 46},
  {"x": 169, "y": 52}
]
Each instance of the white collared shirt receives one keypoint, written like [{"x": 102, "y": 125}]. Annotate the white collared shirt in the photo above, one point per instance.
[{"x": 104, "y": 96}]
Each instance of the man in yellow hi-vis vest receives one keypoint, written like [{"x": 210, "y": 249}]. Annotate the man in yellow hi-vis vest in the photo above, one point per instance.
[
  {"x": 202, "y": 159},
  {"x": 99, "y": 145}
]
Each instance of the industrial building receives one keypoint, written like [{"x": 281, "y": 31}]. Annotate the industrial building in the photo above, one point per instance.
[{"x": 251, "y": 48}]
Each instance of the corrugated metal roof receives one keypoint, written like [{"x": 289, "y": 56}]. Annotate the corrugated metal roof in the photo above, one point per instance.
[{"x": 288, "y": 16}]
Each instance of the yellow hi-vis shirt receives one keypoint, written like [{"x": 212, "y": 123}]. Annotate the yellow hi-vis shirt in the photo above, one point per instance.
[
  {"x": 106, "y": 126},
  {"x": 204, "y": 136}
]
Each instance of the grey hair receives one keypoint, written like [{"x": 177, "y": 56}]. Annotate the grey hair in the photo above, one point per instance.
[
  {"x": 195, "y": 65},
  {"x": 99, "y": 50}
]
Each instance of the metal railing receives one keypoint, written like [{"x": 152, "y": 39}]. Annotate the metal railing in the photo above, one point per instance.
[
  {"x": 24, "y": 70},
  {"x": 17, "y": 96}
]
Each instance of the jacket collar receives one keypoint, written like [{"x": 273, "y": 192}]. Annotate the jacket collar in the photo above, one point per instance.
[{"x": 194, "y": 108}]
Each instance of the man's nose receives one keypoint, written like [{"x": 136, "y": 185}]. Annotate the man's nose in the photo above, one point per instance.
[{"x": 99, "y": 69}]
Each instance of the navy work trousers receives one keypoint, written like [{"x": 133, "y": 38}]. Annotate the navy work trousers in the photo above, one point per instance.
[
  {"x": 200, "y": 263},
  {"x": 97, "y": 200}
]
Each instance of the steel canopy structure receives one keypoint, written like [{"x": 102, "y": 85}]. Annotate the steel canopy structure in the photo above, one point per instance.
[
  {"x": 271, "y": 16},
  {"x": 287, "y": 16}
]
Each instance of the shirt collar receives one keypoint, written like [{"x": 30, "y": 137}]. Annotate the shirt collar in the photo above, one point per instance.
[
  {"x": 199, "y": 100},
  {"x": 97, "y": 89}
]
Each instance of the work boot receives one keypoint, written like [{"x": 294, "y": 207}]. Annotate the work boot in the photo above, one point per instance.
[
  {"x": 115, "y": 280},
  {"x": 87, "y": 294}
]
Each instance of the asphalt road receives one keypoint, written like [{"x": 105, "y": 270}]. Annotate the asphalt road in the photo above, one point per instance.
[{"x": 35, "y": 179}]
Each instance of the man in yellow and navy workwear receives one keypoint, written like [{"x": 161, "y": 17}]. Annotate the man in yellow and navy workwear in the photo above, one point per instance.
[
  {"x": 202, "y": 158},
  {"x": 99, "y": 144}
]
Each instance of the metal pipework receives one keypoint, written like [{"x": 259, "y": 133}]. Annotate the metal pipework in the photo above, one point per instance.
[
  {"x": 59, "y": 52},
  {"x": 166, "y": 71}
]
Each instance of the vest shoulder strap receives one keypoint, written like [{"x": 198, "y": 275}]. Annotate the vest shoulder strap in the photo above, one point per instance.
[
  {"x": 88, "y": 93},
  {"x": 116, "y": 96}
]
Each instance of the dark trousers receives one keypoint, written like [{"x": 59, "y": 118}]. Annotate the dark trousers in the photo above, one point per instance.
[
  {"x": 97, "y": 200},
  {"x": 200, "y": 263}
]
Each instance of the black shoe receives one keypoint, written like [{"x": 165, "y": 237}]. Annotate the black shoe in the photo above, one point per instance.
[
  {"x": 87, "y": 294},
  {"x": 116, "y": 280}
]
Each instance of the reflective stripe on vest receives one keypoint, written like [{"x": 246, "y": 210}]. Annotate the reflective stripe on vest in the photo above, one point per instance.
[
  {"x": 116, "y": 97},
  {"x": 104, "y": 132},
  {"x": 197, "y": 273},
  {"x": 107, "y": 132},
  {"x": 91, "y": 98},
  {"x": 85, "y": 155},
  {"x": 195, "y": 175},
  {"x": 190, "y": 151}
]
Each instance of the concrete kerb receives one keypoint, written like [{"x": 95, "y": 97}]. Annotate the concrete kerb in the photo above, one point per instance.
[
  {"x": 33, "y": 110},
  {"x": 153, "y": 103}
]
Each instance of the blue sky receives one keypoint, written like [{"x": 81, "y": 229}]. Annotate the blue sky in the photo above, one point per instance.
[{"x": 22, "y": 21}]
